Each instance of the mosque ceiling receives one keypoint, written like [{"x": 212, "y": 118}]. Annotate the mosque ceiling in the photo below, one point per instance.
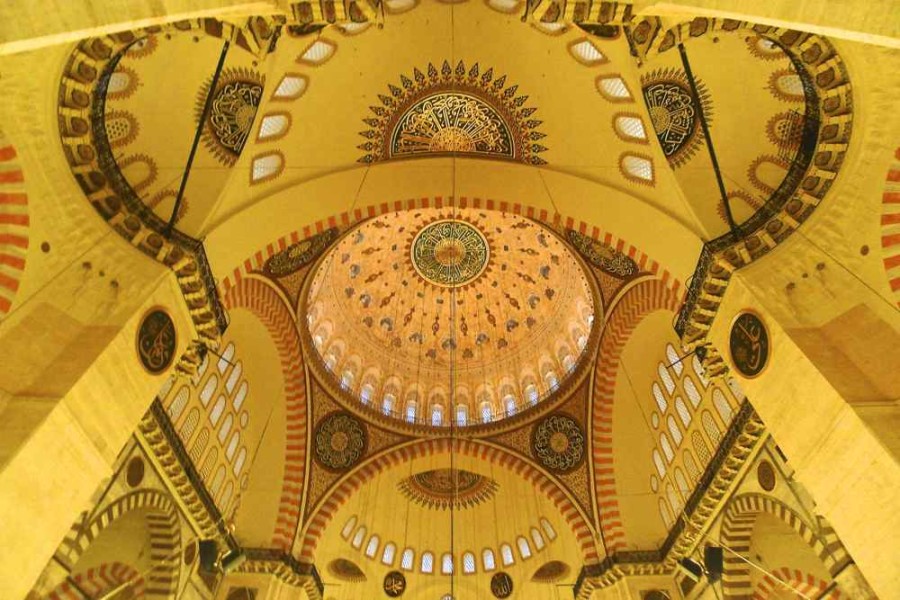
[{"x": 466, "y": 227}]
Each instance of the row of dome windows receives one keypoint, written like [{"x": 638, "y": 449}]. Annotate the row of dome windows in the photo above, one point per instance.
[{"x": 426, "y": 561}]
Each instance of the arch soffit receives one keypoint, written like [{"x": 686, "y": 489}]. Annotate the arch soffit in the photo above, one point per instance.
[
  {"x": 257, "y": 295},
  {"x": 310, "y": 534},
  {"x": 644, "y": 297}
]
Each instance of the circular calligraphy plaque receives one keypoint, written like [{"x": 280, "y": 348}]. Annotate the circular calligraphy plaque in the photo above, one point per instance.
[
  {"x": 749, "y": 344},
  {"x": 501, "y": 585},
  {"x": 559, "y": 443},
  {"x": 394, "y": 584},
  {"x": 449, "y": 253},
  {"x": 157, "y": 341},
  {"x": 340, "y": 440}
]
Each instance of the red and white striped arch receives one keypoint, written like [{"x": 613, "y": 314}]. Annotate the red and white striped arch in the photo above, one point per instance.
[
  {"x": 644, "y": 298},
  {"x": 14, "y": 224},
  {"x": 890, "y": 226},
  {"x": 346, "y": 219},
  {"x": 260, "y": 298}
]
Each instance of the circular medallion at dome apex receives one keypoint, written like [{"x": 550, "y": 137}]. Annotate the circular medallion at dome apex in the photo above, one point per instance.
[
  {"x": 449, "y": 253},
  {"x": 410, "y": 305}
]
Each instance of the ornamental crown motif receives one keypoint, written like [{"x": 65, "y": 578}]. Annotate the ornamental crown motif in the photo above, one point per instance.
[{"x": 451, "y": 110}]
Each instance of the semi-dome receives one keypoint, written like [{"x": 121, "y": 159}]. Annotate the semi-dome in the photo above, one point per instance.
[{"x": 440, "y": 315}]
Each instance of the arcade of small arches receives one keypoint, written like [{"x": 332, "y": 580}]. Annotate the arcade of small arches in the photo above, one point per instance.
[{"x": 475, "y": 328}]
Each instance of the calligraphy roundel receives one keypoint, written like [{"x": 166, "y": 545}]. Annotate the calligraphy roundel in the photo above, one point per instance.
[
  {"x": 157, "y": 341},
  {"x": 749, "y": 344},
  {"x": 394, "y": 584},
  {"x": 501, "y": 585}
]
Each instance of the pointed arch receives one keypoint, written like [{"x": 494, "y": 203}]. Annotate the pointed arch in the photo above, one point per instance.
[
  {"x": 165, "y": 534},
  {"x": 318, "y": 521},
  {"x": 737, "y": 529},
  {"x": 644, "y": 298},
  {"x": 262, "y": 300}
]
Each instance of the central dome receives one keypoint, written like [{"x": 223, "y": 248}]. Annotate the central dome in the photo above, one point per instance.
[{"x": 435, "y": 315}]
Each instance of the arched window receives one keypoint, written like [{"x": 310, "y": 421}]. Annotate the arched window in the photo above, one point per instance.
[
  {"x": 225, "y": 428},
  {"x": 239, "y": 461},
  {"x": 358, "y": 538},
  {"x": 347, "y": 379},
  {"x": 209, "y": 388},
  {"x": 682, "y": 483},
  {"x": 692, "y": 393},
  {"x": 674, "y": 360},
  {"x": 658, "y": 462},
  {"x": 700, "y": 447},
  {"x": 661, "y": 401},
  {"x": 487, "y": 559},
  {"x": 348, "y": 527},
  {"x": 673, "y": 498},
  {"x": 462, "y": 414},
  {"x": 537, "y": 539},
  {"x": 233, "y": 378},
  {"x": 691, "y": 465},
  {"x": 207, "y": 468},
  {"x": 189, "y": 425},
  {"x": 486, "y": 412},
  {"x": 722, "y": 406},
  {"x": 665, "y": 513},
  {"x": 551, "y": 379},
  {"x": 698, "y": 369},
  {"x": 387, "y": 404},
  {"x": 406, "y": 561},
  {"x": 531, "y": 393},
  {"x": 613, "y": 88},
  {"x": 232, "y": 445},
  {"x": 266, "y": 166},
  {"x": 630, "y": 127},
  {"x": 506, "y": 554},
  {"x": 410, "y": 411},
  {"x": 217, "y": 410},
  {"x": 204, "y": 364},
  {"x": 427, "y": 562},
  {"x": 509, "y": 403},
  {"x": 711, "y": 428},
  {"x": 666, "y": 378},
  {"x": 226, "y": 496},
  {"x": 468, "y": 562},
  {"x": 199, "y": 445},
  {"x": 568, "y": 363},
  {"x": 639, "y": 168},
  {"x": 372, "y": 546},
  {"x": 225, "y": 358},
  {"x": 447, "y": 564},
  {"x": 218, "y": 478},
  {"x": 524, "y": 548},
  {"x": 178, "y": 404},
  {"x": 388, "y": 556},
  {"x": 683, "y": 413},
  {"x": 666, "y": 447},
  {"x": 241, "y": 395},
  {"x": 365, "y": 393},
  {"x": 437, "y": 415},
  {"x": 673, "y": 430},
  {"x": 548, "y": 529}
]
